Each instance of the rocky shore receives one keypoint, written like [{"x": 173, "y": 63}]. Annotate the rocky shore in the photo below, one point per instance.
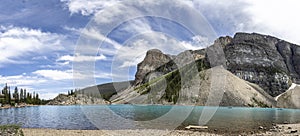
[
  {"x": 7, "y": 106},
  {"x": 78, "y": 99},
  {"x": 276, "y": 130}
]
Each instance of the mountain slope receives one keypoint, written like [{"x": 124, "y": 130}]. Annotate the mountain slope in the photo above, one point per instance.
[
  {"x": 290, "y": 98},
  {"x": 237, "y": 92}
]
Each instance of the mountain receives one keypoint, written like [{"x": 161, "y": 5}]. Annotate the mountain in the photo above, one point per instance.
[
  {"x": 98, "y": 94},
  {"x": 244, "y": 70},
  {"x": 259, "y": 66}
]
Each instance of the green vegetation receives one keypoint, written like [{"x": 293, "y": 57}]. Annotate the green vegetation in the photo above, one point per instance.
[
  {"x": 71, "y": 92},
  {"x": 13, "y": 130},
  {"x": 19, "y": 96},
  {"x": 173, "y": 80},
  {"x": 258, "y": 103}
]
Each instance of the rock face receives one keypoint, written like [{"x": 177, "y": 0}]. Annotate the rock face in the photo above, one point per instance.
[
  {"x": 264, "y": 60},
  {"x": 154, "y": 59},
  {"x": 78, "y": 99}
]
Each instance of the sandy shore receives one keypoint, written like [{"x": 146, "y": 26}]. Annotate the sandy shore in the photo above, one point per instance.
[{"x": 278, "y": 130}]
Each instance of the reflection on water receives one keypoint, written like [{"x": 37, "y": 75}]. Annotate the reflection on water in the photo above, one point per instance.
[{"x": 133, "y": 117}]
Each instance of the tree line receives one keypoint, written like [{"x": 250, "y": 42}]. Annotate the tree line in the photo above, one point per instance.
[{"x": 16, "y": 96}]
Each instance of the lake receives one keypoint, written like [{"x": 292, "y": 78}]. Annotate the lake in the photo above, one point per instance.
[{"x": 142, "y": 116}]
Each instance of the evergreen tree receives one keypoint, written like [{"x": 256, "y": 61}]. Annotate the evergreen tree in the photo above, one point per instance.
[
  {"x": 9, "y": 97},
  {"x": 21, "y": 95},
  {"x": 24, "y": 97},
  {"x": 16, "y": 95},
  {"x": 38, "y": 101}
]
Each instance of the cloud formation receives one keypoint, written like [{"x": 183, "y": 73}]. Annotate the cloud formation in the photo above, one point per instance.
[
  {"x": 87, "y": 7},
  {"x": 18, "y": 42}
]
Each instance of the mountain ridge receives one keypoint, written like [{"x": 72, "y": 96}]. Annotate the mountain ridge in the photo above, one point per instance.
[{"x": 261, "y": 67}]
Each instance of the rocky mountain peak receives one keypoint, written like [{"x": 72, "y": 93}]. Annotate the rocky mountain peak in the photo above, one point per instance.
[{"x": 154, "y": 58}]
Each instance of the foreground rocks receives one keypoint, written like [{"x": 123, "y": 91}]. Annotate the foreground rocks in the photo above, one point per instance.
[
  {"x": 11, "y": 130},
  {"x": 279, "y": 130},
  {"x": 282, "y": 130}
]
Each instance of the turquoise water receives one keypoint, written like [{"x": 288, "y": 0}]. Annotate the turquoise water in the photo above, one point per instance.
[{"x": 142, "y": 116}]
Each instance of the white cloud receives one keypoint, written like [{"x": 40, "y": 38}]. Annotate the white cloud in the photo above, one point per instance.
[
  {"x": 17, "y": 43},
  {"x": 21, "y": 80},
  {"x": 88, "y": 7},
  {"x": 55, "y": 74},
  {"x": 93, "y": 33},
  {"x": 272, "y": 17},
  {"x": 276, "y": 17},
  {"x": 154, "y": 40},
  {"x": 79, "y": 58}
]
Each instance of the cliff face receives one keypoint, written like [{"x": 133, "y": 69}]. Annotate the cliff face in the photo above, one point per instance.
[
  {"x": 264, "y": 60},
  {"x": 154, "y": 59}
]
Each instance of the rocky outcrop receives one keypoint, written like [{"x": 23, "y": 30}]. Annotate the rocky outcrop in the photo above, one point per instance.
[
  {"x": 77, "y": 99},
  {"x": 290, "y": 98},
  {"x": 154, "y": 59}
]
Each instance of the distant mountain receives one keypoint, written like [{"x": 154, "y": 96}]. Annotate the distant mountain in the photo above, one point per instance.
[
  {"x": 99, "y": 94},
  {"x": 244, "y": 70}
]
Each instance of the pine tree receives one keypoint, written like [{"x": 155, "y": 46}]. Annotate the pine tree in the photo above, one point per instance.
[
  {"x": 37, "y": 99},
  {"x": 21, "y": 95},
  {"x": 25, "y": 95},
  {"x": 16, "y": 95},
  {"x": 9, "y": 97}
]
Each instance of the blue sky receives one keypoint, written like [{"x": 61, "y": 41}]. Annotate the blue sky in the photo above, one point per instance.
[{"x": 38, "y": 39}]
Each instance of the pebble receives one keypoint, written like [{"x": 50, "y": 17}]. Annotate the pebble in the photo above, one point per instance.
[{"x": 294, "y": 131}]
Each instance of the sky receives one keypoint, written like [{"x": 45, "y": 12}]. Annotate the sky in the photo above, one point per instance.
[{"x": 42, "y": 43}]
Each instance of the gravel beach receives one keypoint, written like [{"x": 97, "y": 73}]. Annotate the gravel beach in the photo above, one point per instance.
[{"x": 277, "y": 130}]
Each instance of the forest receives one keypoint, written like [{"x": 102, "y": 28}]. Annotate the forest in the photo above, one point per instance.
[{"x": 19, "y": 96}]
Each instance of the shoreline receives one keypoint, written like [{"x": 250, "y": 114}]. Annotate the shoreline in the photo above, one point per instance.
[
  {"x": 18, "y": 106},
  {"x": 278, "y": 129}
]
